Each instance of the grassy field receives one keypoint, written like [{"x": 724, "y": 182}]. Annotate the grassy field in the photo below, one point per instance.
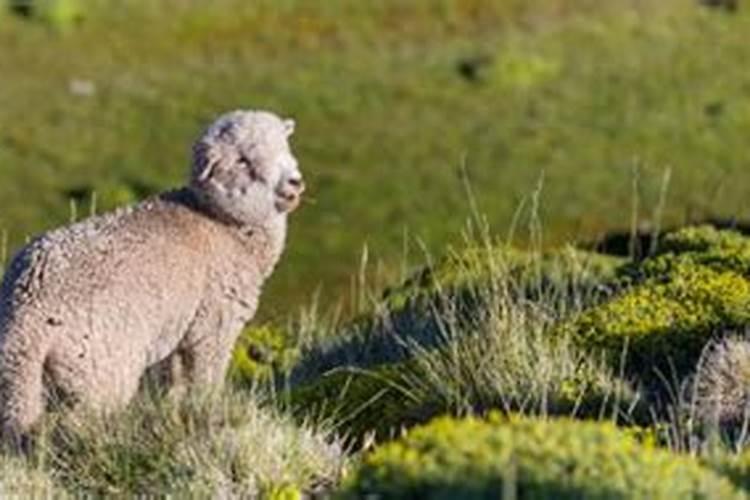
[
  {"x": 564, "y": 119},
  {"x": 399, "y": 105}
]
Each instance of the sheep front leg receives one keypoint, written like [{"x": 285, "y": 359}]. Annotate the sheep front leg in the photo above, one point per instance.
[{"x": 206, "y": 355}]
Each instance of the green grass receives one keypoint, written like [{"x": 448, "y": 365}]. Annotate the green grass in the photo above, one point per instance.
[
  {"x": 590, "y": 100},
  {"x": 233, "y": 444},
  {"x": 474, "y": 331},
  {"x": 386, "y": 123}
]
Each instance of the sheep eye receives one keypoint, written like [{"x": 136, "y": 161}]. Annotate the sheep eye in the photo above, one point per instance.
[
  {"x": 245, "y": 162},
  {"x": 251, "y": 169}
]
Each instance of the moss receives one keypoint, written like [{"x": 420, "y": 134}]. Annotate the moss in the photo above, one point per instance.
[
  {"x": 529, "y": 458},
  {"x": 260, "y": 352}
]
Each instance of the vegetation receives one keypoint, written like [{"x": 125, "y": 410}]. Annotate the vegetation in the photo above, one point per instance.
[
  {"x": 509, "y": 366},
  {"x": 433, "y": 95},
  {"x": 472, "y": 332},
  {"x": 693, "y": 289},
  {"x": 722, "y": 382},
  {"x": 21, "y": 478},
  {"x": 260, "y": 352},
  {"x": 489, "y": 328},
  {"x": 207, "y": 445},
  {"x": 529, "y": 458}
]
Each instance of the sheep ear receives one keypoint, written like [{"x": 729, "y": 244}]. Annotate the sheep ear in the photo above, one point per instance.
[
  {"x": 205, "y": 161},
  {"x": 289, "y": 125}
]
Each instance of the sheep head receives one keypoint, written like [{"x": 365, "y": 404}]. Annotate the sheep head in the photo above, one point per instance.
[{"x": 244, "y": 169}]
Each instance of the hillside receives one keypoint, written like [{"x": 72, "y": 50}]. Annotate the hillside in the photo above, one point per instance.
[{"x": 399, "y": 106}]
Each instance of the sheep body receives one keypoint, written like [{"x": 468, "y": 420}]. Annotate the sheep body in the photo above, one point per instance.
[{"x": 87, "y": 309}]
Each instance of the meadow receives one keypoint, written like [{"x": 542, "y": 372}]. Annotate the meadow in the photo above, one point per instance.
[
  {"x": 399, "y": 106},
  {"x": 441, "y": 325}
]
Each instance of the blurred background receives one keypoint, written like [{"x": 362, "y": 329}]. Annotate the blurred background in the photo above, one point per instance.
[{"x": 618, "y": 110}]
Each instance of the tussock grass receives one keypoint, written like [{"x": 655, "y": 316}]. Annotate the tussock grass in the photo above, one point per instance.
[
  {"x": 471, "y": 333},
  {"x": 225, "y": 445},
  {"x": 22, "y": 478},
  {"x": 722, "y": 382}
]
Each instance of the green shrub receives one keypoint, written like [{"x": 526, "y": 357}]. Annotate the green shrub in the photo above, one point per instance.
[
  {"x": 735, "y": 467},
  {"x": 60, "y": 14},
  {"x": 673, "y": 303},
  {"x": 721, "y": 250},
  {"x": 665, "y": 321},
  {"x": 260, "y": 352},
  {"x": 529, "y": 458}
]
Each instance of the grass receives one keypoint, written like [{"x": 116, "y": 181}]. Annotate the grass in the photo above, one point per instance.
[
  {"x": 25, "y": 479},
  {"x": 397, "y": 104},
  {"x": 228, "y": 444},
  {"x": 400, "y": 107},
  {"x": 470, "y": 333}
]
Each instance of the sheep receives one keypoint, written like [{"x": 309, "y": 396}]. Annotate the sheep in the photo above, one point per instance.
[{"x": 168, "y": 284}]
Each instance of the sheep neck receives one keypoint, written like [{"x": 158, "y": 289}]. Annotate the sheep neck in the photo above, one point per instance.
[{"x": 264, "y": 241}]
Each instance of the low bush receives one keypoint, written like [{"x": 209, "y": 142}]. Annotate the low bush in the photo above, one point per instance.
[
  {"x": 672, "y": 304},
  {"x": 60, "y": 14},
  {"x": 529, "y": 458},
  {"x": 260, "y": 353}
]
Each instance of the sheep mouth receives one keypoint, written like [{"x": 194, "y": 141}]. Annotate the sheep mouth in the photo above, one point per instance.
[{"x": 287, "y": 201}]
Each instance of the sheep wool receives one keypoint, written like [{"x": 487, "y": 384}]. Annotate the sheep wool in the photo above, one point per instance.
[{"x": 166, "y": 285}]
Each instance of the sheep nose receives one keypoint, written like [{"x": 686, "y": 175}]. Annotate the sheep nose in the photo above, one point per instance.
[{"x": 297, "y": 183}]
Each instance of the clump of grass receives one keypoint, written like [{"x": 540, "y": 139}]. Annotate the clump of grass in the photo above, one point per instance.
[
  {"x": 22, "y": 478},
  {"x": 437, "y": 304},
  {"x": 722, "y": 383},
  {"x": 472, "y": 337},
  {"x": 207, "y": 444}
]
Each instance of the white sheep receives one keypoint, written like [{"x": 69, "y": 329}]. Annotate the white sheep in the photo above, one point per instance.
[{"x": 87, "y": 309}]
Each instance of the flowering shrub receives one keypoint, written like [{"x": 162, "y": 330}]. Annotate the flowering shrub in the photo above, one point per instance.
[
  {"x": 673, "y": 303},
  {"x": 529, "y": 458}
]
